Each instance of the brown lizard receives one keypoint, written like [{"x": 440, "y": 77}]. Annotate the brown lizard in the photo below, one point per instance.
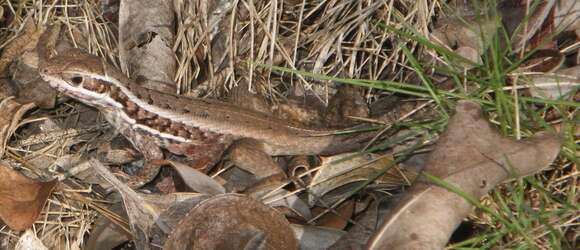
[{"x": 198, "y": 128}]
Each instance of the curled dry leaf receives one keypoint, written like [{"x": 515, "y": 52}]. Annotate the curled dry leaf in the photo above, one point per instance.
[
  {"x": 21, "y": 198},
  {"x": 28, "y": 84},
  {"x": 339, "y": 170},
  {"x": 471, "y": 156},
  {"x": 232, "y": 221},
  {"x": 11, "y": 113}
]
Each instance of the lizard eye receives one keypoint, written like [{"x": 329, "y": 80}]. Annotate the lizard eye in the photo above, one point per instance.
[{"x": 77, "y": 80}]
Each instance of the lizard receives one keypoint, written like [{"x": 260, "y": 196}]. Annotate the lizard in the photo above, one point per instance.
[{"x": 195, "y": 127}]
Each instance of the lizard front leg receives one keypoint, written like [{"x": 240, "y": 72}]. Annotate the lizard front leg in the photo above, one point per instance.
[{"x": 146, "y": 145}]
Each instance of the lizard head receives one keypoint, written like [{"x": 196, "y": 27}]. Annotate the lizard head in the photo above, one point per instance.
[{"x": 82, "y": 76}]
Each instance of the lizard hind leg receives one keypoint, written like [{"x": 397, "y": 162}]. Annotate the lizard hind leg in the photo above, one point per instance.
[{"x": 250, "y": 156}]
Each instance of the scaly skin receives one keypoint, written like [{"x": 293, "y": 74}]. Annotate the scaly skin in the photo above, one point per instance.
[{"x": 92, "y": 81}]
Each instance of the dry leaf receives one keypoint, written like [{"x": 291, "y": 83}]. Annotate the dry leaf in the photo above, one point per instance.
[
  {"x": 339, "y": 170},
  {"x": 21, "y": 198},
  {"x": 29, "y": 241},
  {"x": 232, "y": 221},
  {"x": 337, "y": 220},
  {"x": 105, "y": 234},
  {"x": 196, "y": 180},
  {"x": 471, "y": 156},
  {"x": 146, "y": 42},
  {"x": 554, "y": 86},
  {"x": 310, "y": 237},
  {"x": 28, "y": 84},
  {"x": 567, "y": 15},
  {"x": 514, "y": 16},
  {"x": 547, "y": 60},
  {"x": 25, "y": 41},
  {"x": 172, "y": 216},
  {"x": 465, "y": 33},
  {"x": 142, "y": 214},
  {"x": 144, "y": 211},
  {"x": 11, "y": 113},
  {"x": 361, "y": 231},
  {"x": 282, "y": 198}
]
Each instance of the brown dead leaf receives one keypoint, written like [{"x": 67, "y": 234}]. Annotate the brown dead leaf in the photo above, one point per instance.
[
  {"x": 467, "y": 35},
  {"x": 337, "y": 220},
  {"x": 28, "y": 84},
  {"x": 11, "y": 113},
  {"x": 471, "y": 156},
  {"x": 21, "y": 198},
  {"x": 25, "y": 82},
  {"x": 340, "y": 170},
  {"x": 543, "y": 61},
  {"x": 172, "y": 216},
  {"x": 361, "y": 231},
  {"x": 232, "y": 221},
  {"x": 525, "y": 28},
  {"x": 106, "y": 234},
  {"x": 25, "y": 41}
]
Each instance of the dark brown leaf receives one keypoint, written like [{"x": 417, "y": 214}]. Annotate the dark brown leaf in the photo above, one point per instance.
[{"x": 337, "y": 219}]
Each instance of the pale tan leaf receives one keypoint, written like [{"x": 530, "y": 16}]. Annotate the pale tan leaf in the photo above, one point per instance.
[
  {"x": 339, "y": 170},
  {"x": 29, "y": 241},
  {"x": 310, "y": 237},
  {"x": 146, "y": 42},
  {"x": 553, "y": 86},
  {"x": 471, "y": 156},
  {"x": 11, "y": 113}
]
